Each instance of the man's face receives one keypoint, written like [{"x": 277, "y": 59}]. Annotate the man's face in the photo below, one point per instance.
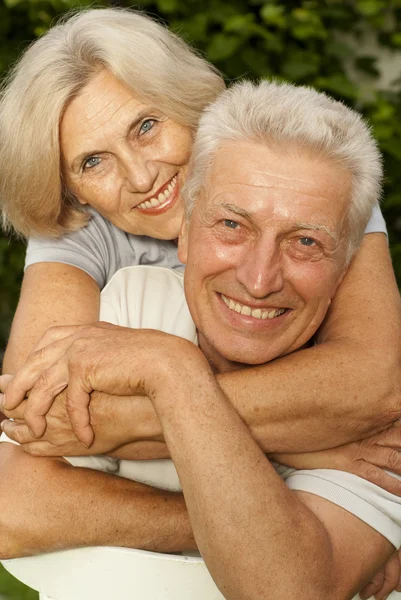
[{"x": 265, "y": 250}]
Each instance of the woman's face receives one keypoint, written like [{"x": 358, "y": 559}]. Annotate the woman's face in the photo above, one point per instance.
[{"x": 124, "y": 158}]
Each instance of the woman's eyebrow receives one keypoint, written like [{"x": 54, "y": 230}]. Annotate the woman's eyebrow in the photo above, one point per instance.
[{"x": 77, "y": 161}]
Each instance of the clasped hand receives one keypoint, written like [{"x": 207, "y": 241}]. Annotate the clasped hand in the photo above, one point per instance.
[{"x": 81, "y": 359}]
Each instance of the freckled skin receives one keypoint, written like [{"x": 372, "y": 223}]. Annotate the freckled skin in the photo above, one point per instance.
[
  {"x": 128, "y": 163},
  {"x": 268, "y": 232}
]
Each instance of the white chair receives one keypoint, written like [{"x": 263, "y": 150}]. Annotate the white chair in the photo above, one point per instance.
[
  {"x": 115, "y": 574},
  {"x": 118, "y": 574}
]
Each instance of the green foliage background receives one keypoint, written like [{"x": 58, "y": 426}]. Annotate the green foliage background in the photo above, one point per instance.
[
  {"x": 308, "y": 42},
  {"x": 311, "y": 42}
]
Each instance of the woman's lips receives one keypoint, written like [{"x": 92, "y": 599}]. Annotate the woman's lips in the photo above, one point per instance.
[{"x": 164, "y": 199}]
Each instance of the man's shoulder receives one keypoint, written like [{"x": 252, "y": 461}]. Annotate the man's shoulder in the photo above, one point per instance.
[{"x": 148, "y": 297}]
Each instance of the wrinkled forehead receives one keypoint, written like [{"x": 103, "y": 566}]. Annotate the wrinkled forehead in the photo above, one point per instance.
[{"x": 285, "y": 181}]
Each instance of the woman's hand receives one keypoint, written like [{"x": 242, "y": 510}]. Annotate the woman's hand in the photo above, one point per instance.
[
  {"x": 117, "y": 421},
  {"x": 366, "y": 458},
  {"x": 101, "y": 357},
  {"x": 59, "y": 438}
]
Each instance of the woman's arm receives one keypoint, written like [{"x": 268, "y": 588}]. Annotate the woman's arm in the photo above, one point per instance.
[{"x": 51, "y": 294}]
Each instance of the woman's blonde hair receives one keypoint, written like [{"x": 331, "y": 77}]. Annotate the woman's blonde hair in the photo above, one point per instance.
[{"x": 156, "y": 64}]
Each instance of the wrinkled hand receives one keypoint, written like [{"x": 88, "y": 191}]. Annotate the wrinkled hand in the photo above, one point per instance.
[
  {"x": 102, "y": 357},
  {"x": 367, "y": 458},
  {"x": 59, "y": 438},
  {"x": 385, "y": 581}
]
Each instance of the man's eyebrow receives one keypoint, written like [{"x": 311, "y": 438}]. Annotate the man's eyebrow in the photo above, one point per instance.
[
  {"x": 77, "y": 161},
  {"x": 234, "y": 209},
  {"x": 312, "y": 227}
]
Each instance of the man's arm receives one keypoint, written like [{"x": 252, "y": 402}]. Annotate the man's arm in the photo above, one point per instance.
[
  {"x": 297, "y": 544},
  {"x": 49, "y": 505}
]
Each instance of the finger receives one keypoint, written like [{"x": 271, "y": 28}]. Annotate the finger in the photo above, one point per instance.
[
  {"x": 50, "y": 383},
  {"x": 27, "y": 375},
  {"x": 77, "y": 404},
  {"x": 373, "y": 586},
  {"x": 398, "y": 586},
  {"x": 17, "y": 413},
  {"x": 384, "y": 457},
  {"x": 4, "y": 381},
  {"x": 40, "y": 448},
  {"x": 17, "y": 432},
  {"x": 391, "y": 577},
  {"x": 379, "y": 477},
  {"x": 55, "y": 334},
  {"x": 390, "y": 436}
]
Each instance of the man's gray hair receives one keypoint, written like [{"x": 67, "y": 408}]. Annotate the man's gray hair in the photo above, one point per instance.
[{"x": 279, "y": 115}]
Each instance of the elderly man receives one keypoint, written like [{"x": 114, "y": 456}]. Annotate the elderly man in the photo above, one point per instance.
[{"x": 280, "y": 208}]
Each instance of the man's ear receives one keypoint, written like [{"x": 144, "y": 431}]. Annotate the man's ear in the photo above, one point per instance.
[{"x": 183, "y": 241}]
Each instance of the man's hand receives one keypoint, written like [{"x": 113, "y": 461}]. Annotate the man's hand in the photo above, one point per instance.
[
  {"x": 385, "y": 581},
  {"x": 367, "y": 458},
  {"x": 102, "y": 357}
]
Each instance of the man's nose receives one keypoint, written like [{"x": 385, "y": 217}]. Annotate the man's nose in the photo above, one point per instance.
[
  {"x": 261, "y": 270},
  {"x": 139, "y": 172}
]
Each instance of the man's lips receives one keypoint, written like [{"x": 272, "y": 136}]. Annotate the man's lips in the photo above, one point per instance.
[
  {"x": 162, "y": 199},
  {"x": 260, "y": 313}
]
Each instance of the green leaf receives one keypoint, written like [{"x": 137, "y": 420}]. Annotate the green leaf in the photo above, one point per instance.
[
  {"x": 167, "y": 6},
  {"x": 274, "y": 15},
  {"x": 299, "y": 67},
  {"x": 239, "y": 23},
  {"x": 370, "y": 8},
  {"x": 222, "y": 46},
  {"x": 337, "y": 84}
]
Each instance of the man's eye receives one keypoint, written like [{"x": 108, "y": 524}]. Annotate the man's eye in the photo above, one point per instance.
[
  {"x": 231, "y": 224},
  {"x": 146, "y": 126},
  {"x": 91, "y": 162},
  {"x": 305, "y": 241}
]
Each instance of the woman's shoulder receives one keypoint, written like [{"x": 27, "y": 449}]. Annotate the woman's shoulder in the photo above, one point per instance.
[{"x": 100, "y": 249}]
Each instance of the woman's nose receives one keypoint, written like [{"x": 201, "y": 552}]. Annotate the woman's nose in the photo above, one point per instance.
[{"x": 139, "y": 173}]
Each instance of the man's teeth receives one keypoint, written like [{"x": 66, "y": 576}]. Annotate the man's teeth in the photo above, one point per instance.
[
  {"x": 256, "y": 313},
  {"x": 162, "y": 197}
]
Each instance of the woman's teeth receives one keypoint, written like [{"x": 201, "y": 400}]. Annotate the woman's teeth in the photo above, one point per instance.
[
  {"x": 256, "y": 313},
  {"x": 162, "y": 197}
]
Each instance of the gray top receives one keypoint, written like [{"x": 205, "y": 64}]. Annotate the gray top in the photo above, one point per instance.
[{"x": 100, "y": 249}]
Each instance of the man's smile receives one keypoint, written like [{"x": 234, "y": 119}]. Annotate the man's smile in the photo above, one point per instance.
[{"x": 256, "y": 313}]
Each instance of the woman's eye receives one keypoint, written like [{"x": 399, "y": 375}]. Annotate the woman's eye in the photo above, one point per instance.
[
  {"x": 91, "y": 162},
  {"x": 231, "y": 224},
  {"x": 146, "y": 126},
  {"x": 305, "y": 241}
]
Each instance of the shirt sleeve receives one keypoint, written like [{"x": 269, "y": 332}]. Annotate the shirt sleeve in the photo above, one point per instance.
[
  {"x": 87, "y": 249},
  {"x": 371, "y": 504},
  {"x": 376, "y": 224}
]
